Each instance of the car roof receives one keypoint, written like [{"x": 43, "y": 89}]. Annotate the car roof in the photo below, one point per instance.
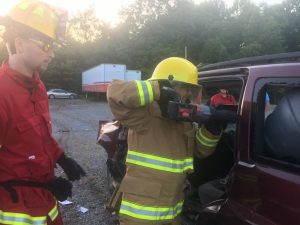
[
  {"x": 242, "y": 66},
  {"x": 55, "y": 89}
]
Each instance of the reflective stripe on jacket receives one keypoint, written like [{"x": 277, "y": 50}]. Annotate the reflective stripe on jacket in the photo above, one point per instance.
[
  {"x": 26, "y": 219},
  {"x": 160, "y": 152},
  {"x": 159, "y": 163},
  {"x": 206, "y": 142},
  {"x": 145, "y": 92},
  {"x": 150, "y": 213}
]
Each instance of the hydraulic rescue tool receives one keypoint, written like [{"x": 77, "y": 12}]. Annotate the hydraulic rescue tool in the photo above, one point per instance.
[{"x": 200, "y": 113}]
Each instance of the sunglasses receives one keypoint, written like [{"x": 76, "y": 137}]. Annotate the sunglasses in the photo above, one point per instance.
[{"x": 46, "y": 47}]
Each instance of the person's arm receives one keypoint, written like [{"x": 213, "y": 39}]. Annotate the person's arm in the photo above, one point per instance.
[
  {"x": 128, "y": 101},
  {"x": 207, "y": 138},
  {"x": 3, "y": 124},
  {"x": 72, "y": 169},
  {"x": 233, "y": 100},
  {"x": 213, "y": 100}
]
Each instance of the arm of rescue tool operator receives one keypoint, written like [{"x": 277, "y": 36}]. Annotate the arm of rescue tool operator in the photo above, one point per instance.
[
  {"x": 129, "y": 102},
  {"x": 3, "y": 122}
]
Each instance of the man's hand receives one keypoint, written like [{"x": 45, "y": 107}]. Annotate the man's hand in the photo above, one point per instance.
[
  {"x": 60, "y": 188},
  {"x": 215, "y": 127},
  {"x": 72, "y": 169},
  {"x": 167, "y": 93}
]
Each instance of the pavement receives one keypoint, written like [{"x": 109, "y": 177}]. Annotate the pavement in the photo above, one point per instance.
[{"x": 75, "y": 127}]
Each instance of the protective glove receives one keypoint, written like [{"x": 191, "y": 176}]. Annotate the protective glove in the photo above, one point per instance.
[
  {"x": 167, "y": 93},
  {"x": 215, "y": 127},
  {"x": 60, "y": 188},
  {"x": 72, "y": 169}
]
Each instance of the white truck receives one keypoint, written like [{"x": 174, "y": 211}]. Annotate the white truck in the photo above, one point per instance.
[{"x": 99, "y": 77}]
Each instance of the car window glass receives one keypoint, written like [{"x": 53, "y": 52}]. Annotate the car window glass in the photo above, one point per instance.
[
  {"x": 233, "y": 87},
  {"x": 212, "y": 87},
  {"x": 277, "y": 123}
]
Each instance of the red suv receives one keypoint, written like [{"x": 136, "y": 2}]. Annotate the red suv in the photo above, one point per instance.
[{"x": 254, "y": 175}]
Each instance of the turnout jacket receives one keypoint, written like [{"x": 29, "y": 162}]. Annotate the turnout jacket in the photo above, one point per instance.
[
  {"x": 160, "y": 152},
  {"x": 28, "y": 152}
]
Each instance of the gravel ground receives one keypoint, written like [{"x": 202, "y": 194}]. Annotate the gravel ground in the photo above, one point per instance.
[{"x": 75, "y": 126}]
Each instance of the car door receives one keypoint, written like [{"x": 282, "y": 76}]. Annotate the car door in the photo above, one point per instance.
[
  {"x": 60, "y": 93},
  {"x": 210, "y": 173},
  {"x": 265, "y": 190}
]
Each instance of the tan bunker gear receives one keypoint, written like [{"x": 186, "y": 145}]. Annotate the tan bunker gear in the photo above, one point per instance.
[{"x": 160, "y": 153}]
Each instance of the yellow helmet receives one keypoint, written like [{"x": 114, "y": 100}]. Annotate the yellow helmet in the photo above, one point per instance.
[
  {"x": 176, "y": 69},
  {"x": 40, "y": 17}
]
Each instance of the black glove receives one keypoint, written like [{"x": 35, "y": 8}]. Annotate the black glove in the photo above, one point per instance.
[
  {"x": 215, "y": 127},
  {"x": 60, "y": 188},
  {"x": 71, "y": 168},
  {"x": 167, "y": 93}
]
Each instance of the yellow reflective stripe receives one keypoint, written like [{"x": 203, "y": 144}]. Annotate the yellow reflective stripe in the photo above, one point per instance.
[
  {"x": 145, "y": 92},
  {"x": 206, "y": 141},
  {"x": 53, "y": 213},
  {"x": 213, "y": 140},
  {"x": 141, "y": 93},
  {"x": 149, "y": 212},
  {"x": 21, "y": 219},
  {"x": 150, "y": 89},
  {"x": 159, "y": 163}
]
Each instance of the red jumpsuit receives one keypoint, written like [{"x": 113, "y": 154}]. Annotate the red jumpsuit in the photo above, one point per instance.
[
  {"x": 28, "y": 152},
  {"x": 219, "y": 99}
]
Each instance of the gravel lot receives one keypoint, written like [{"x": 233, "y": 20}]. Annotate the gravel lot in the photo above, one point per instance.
[{"x": 75, "y": 126}]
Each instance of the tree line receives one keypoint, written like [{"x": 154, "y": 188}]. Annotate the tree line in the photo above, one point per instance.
[{"x": 151, "y": 30}]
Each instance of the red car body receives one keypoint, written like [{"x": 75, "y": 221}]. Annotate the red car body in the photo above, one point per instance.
[
  {"x": 261, "y": 190},
  {"x": 258, "y": 188}
]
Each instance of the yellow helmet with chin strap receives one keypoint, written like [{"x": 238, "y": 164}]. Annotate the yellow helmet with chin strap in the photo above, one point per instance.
[
  {"x": 176, "y": 69},
  {"x": 45, "y": 19}
]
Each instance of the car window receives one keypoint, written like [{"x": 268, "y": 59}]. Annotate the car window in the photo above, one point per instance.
[
  {"x": 212, "y": 87},
  {"x": 276, "y": 122}
]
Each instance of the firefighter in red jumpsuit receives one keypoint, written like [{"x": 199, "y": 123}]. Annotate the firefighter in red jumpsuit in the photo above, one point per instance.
[
  {"x": 222, "y": 98},
  {"x": 28, "y": 153}
]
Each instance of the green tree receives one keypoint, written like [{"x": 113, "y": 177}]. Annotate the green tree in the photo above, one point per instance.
[
  {"x": 87, "y": 27},
  {"x": 289, "y": 19},
  {"x": 140, "y": 12},
  {"x": 152, "y": 30}
]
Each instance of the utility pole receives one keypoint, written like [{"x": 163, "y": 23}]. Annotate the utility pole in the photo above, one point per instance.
[{"x": 185, "y": 52}]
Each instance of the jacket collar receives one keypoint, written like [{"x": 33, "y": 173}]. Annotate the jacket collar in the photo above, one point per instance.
[{"x": 21, "y": 79}]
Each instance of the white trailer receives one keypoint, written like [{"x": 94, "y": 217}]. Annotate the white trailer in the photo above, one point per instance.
[
  {"x": 133, "y": 75},
  {"x": 98, "y": 78}
]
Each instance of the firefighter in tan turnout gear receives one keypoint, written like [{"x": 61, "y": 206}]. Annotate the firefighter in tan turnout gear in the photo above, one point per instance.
[{"x": 160, "y": 150}]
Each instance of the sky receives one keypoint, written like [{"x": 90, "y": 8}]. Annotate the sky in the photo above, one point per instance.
[{"x": 107, "y": 10}]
